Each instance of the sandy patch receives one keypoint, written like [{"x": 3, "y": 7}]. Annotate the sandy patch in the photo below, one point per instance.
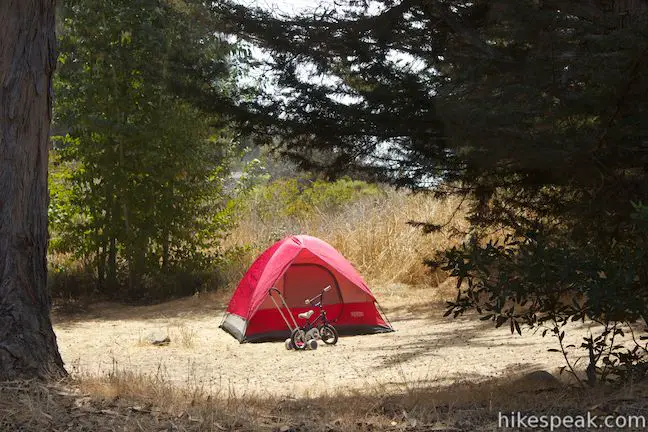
[{"x": 426, "y": 348}]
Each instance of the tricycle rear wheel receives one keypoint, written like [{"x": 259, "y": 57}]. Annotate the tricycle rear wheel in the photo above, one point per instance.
[{"x": 328, "y": 334}]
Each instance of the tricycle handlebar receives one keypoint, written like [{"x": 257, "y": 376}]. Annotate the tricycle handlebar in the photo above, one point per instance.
[{"x": 320, "y": 295}]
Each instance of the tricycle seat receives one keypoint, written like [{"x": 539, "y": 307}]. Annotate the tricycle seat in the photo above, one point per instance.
[{"x": 306, "y": 315}]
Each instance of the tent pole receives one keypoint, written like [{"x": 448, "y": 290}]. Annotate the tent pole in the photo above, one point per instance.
[{"x": 382, "y": 312}]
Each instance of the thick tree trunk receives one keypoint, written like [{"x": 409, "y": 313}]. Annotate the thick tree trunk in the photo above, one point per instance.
[{"x": 27, "y": 59}]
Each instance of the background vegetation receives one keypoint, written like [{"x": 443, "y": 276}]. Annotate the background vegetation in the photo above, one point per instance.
[
  {"x": 137, "y": 172},
  {"x": 367, "y": 223}
]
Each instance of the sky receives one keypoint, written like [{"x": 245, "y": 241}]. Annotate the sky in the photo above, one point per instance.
[
  {"x": 292, "y": 7},
  {"x": 297, "y": 6},
  {"x": 258, "y": 76},
  {"x": 286, "y": 6}
]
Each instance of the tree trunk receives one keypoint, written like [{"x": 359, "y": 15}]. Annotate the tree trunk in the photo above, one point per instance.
[
  {"x": 111, "y": 222},
  {"x": 27, "y": 59},
  {"x": 101, "y": 262},
  {"x": 165, "y": 251},
  {"x": 111, "y": 271}
]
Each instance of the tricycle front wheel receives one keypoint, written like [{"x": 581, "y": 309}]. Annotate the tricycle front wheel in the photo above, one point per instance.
[{"x": 298, "y": 339}]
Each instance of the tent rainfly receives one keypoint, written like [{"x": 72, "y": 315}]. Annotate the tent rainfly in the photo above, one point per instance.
[{"x": 300, "y": 267}]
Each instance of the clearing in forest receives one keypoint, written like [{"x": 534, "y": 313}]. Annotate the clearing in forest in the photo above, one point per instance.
[{"x": 426, "y": 349}]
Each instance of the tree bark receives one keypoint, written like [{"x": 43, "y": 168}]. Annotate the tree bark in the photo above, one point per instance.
[
  {"x": 27, "y": 59},
  {"x": 102, "y": 246}
]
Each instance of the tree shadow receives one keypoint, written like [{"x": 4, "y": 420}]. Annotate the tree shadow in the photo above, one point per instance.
[
  {"x": 198, "y": 306},
  {"x": 465, "y": 331},
  {"x": 463, "y": 403},
  {"x": 414, "y": 311}
]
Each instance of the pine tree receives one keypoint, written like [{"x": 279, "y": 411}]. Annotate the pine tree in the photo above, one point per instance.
[{"x": 536, "y": 111}]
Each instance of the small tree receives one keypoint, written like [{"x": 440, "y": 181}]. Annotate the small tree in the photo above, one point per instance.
[{"x": 144, "y": 166}]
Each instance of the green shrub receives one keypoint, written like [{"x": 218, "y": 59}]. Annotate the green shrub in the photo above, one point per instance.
[{"x": 302, "y": 198}]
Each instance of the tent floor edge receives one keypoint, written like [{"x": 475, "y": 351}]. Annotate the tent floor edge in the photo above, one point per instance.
[
  {"x": 229, "y": 324},
  {"x": 281, "y": 335}
]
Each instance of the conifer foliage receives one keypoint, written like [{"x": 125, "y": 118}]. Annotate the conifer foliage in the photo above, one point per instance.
[{"x": 535, "y": 110}]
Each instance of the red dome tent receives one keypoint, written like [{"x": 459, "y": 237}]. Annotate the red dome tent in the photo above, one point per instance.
[{"x": 300, "y": 267}]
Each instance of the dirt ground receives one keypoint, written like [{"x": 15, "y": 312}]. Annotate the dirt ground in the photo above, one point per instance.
[{"x": 425, "y": 349}]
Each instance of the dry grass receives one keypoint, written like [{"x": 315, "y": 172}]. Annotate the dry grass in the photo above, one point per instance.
[
  {"x": 187, "y": 335},
  {"x": 373, "y": 233},
  {"x": 129, "y": 402}
]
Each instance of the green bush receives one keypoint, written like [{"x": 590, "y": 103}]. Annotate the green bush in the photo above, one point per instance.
[
  {"x": 301, "y": 197},
  {"x": 545, "y": 282}
]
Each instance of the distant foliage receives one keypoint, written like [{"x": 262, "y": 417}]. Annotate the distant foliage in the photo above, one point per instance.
[
  {"x": 302, "y": 198},
  {"x": 367, "y": 223}
]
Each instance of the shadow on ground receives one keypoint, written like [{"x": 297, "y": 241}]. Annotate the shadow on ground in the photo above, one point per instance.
[
  {"x": 466, "y": 406},
  {"x": 197, "y": 306}
]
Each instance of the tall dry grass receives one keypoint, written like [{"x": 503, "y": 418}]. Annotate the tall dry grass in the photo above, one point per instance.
[{"x": 371, "y": 232}]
